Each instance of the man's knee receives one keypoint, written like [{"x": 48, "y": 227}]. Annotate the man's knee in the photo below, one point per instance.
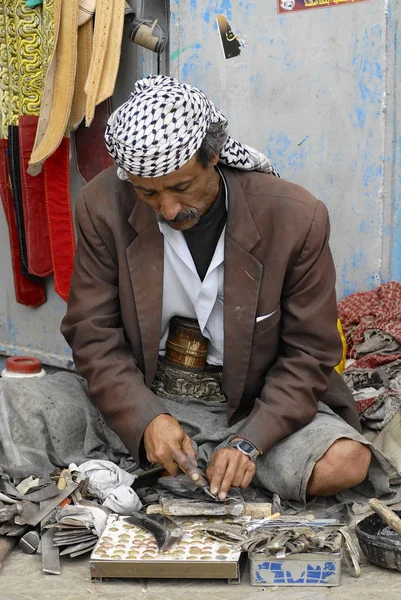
[{"x": 344, "y": 465}]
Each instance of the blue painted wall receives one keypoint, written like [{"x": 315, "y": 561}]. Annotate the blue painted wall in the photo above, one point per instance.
[
  {"x": 318, "y": 92},
  {"x": 315, "y": 90}
]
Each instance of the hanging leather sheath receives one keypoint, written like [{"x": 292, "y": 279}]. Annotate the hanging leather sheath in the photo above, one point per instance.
[
  {"x": 39, "y": 260},
  {"x": 27, "y": 292},
  {"x": 33, "y": 43},
  {"x": 61, "y": 227},
  {"x": 63, "y": 87}
]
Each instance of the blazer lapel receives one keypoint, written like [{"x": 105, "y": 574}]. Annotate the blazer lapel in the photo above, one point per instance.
[
  {"x": 145, "y": 257},
  {"x": 242, "y": 278}
]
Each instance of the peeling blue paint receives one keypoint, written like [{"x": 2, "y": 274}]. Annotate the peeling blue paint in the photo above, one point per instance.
[
  {"x": 206, "y": 16},
  {"x": 348, "y": 286},
  {"x": 358, "y": 259},
  {"x": 288, "y": 156},
  {"x": 368, "y": 72}
]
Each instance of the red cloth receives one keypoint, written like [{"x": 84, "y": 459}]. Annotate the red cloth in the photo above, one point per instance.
[
  {"x": 39, "y": 256},
  {"x": 362, "y": 405},
  {"x": 90, "y": 151},
  {"x": 59, "y": 213},
  {"x": 379, "y": 309},
  {"x": 27, "y": 292},
  {"x": 373, "y": 361}
]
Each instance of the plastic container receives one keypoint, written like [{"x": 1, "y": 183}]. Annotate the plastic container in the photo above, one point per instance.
[
  {"x": 318, "y": 569},
  {"x": 23, "y": 367}
]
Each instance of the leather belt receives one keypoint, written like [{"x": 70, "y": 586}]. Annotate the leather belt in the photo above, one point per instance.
[
  {"x": 113, "y": 54},
  {"x": 46, "y": 104},
  {"x": 85, "y": 42},
  {"x": 61, "y": 227},
  {"x": 53, "y": 149},
  {"x": 104, "y": 14},
  {"x": 27, "y": 292},
  {"x": 31, "y": 61},
  {"x": 15, "y": 181},
  {"x": 38, "y": 255},
  {"x": 63, "y": 89}
]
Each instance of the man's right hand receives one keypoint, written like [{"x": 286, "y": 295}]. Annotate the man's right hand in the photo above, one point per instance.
[{"x": 167, "y": 444}]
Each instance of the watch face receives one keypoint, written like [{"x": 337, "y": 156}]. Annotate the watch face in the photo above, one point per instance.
[{"x": 246, "y": 446}]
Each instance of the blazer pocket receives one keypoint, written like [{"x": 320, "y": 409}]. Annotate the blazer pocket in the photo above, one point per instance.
[{"x": 269, "y": 322}]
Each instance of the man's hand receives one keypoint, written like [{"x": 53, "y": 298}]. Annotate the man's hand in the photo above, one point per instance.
[
  {"x": 229, "y": 467},
  {"x": 167, "y": 444}
]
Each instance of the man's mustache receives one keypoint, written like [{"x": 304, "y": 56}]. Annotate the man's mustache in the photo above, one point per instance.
[{"x": 188, "y": 214}]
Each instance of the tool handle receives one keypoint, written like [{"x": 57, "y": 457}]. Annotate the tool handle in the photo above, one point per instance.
[
  {"x": 256, "y": 510},
  {"x": 386, "y": 514}
]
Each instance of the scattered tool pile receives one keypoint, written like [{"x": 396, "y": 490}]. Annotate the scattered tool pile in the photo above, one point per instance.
[
  {"x": 54, "y": 516},
  {"x": 68, "y": 514}
]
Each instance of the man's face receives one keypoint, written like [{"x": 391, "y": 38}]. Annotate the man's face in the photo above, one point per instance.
[{"x": 182, "y": 197}]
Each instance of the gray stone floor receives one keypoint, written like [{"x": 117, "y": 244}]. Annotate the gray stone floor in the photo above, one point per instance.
[{"x": 22, "y": 579}]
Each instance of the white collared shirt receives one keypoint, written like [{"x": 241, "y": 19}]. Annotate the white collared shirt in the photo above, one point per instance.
[{"x": 185, "y": 295}]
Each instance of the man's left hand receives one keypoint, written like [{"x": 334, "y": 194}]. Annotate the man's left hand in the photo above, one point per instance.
[{"x": 229, "y": 467}]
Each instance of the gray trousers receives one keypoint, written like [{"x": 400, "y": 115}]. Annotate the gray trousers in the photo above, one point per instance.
[
  {"x": 287, "y": 467},
  {"x": 51, "y": 422}
]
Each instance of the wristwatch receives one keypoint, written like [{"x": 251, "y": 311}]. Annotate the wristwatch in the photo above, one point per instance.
[{"x": 246, "y": 448}]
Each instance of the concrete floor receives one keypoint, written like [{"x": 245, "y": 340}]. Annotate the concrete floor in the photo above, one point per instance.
[{"x": 22, "y": 579}]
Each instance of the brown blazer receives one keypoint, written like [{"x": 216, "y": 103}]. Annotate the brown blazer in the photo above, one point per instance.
[{"x": 277, "y": 260}]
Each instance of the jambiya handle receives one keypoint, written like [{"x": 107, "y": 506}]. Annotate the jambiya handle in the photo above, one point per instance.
[{"x": 386, "y": 514}]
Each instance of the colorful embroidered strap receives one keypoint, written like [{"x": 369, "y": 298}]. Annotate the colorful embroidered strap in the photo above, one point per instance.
[
  {"x": 4, "y": 75},
  {"x": 28, "y": 28},
  {"x": 12, "y": 112}
]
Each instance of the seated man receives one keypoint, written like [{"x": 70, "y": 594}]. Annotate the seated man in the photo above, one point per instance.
[{"x": 202, "y": 310}]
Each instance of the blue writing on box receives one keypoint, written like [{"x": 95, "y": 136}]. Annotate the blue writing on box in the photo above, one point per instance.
[{"x": 312, "y": 574}]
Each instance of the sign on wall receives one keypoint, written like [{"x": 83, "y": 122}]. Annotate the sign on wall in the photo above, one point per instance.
[{"x": 286, "y": 6}]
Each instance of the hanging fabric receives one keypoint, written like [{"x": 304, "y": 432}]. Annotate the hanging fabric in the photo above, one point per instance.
[{"x": 28, "y": 290}]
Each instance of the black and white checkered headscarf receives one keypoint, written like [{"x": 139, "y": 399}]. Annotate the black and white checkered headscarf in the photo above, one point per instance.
[{"x": 162, "y": 126}]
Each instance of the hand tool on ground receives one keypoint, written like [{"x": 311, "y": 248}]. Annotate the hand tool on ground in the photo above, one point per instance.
[
  {"x": 50, "y": 553},
  {"x": 165, "y": 531},
  {"x": 188, "y": 508},
  {"x": 202, "y": 482},
  {"x": 29, "y": 543},
  {"x": 31, "y": 516},
  {"x": 80, "y": 547},
  {"x": 386, "y": 514},
  {"x": 351, "y": 554}
]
